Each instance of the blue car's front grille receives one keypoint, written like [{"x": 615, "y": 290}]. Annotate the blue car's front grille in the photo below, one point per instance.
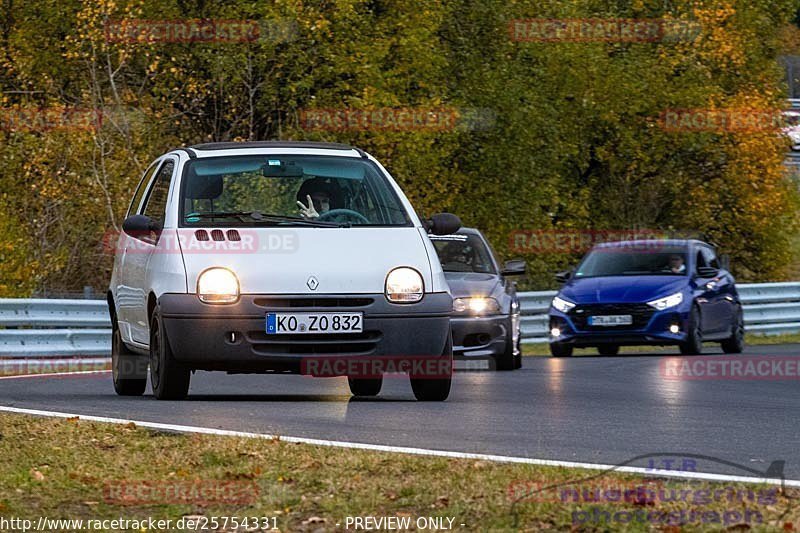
[{"x": 640, "y": 314}]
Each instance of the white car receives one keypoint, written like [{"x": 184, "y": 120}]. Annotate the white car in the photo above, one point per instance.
[{"x": 291, "y": 257}]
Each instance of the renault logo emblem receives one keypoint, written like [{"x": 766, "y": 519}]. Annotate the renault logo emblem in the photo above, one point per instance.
[{"x": 312, "y": 283}]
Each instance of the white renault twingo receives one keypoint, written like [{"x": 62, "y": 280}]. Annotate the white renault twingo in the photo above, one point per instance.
[{"x": 291, "y": 257}]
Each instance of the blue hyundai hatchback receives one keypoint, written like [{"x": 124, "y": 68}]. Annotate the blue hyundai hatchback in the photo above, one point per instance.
[{"x": 647, "y": 292}]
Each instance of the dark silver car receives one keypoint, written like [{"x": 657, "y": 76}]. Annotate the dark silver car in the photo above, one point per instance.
[{"x": 485, "y": 320}]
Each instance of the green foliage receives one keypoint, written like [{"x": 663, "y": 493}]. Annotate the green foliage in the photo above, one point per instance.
[{"x": 575, "y": 143}]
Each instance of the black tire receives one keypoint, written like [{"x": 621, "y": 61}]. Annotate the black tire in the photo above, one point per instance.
[
  {"x": 694, "y": 337},
  {"x": 507, "y": 360},
  {"x": 558, "y": 349},
  {"x": 518, "y": 357},
  {"x": 365, "y": 387},
  {"x": 735, "y": 343},
  {"x": 128, "y": 369},
  {"x": 608, "y": 349},
  {"x": 431, "y": 389},
  {"x": 169, "y": 379}
]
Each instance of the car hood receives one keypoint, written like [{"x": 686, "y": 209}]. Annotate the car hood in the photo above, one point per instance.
[
  {"x": 283, "y": 260},
  {"x": 622, "y": 289},
  {"x": 465, "y": 284}
]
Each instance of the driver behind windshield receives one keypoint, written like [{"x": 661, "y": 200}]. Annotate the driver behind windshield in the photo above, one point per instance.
[
  {"x": 456, "y": 256},
  {"x": 316, "y": 197},
  {"x": 676, "y": 264}
]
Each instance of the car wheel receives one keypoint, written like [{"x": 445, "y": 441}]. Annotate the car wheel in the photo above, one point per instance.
[
  {"x": 693, "y": 345},
  {"x": 558, "y": 349},
  {"x": 507, "y": 360},
  {"x": 128, "y": 369},
  {"x": 365, "y": 387},
  {"x": 608, "y": 349},
  {"x": 169, "y": 379},
  {"x": 435, "y": 389},
  {"x": 735, "y": 343}
]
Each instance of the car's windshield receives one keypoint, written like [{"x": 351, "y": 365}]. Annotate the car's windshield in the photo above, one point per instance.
[
  {"x": 463, "y": 253},
  {"x": 624, "y": 261},
  {"x": 287, "y": 189}
]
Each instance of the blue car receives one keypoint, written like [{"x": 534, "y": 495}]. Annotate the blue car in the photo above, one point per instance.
[{"x": 647, "y": 292}]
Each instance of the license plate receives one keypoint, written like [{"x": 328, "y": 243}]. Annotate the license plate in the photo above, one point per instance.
[
  {"x": 611, "y": 320},
  {"x": 284, "y": 323}
]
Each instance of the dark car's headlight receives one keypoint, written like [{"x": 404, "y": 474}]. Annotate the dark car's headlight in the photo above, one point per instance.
[{"x": 476, "y": 305}]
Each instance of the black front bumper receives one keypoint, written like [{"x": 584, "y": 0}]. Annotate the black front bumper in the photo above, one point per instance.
[
  {"x": 233, "y": 337},
  {"x": 480, "y": 336}
]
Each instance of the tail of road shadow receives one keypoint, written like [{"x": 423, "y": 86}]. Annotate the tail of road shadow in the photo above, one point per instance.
[{"x": 773, "y": 475}]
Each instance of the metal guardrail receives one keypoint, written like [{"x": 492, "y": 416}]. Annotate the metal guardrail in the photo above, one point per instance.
[
  {"x": 769, "y": 309},
  {"x": 51, "y": 328}
]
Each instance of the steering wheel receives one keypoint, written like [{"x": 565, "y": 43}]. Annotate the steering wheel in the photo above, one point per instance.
[{"x": 336, "y": 213}]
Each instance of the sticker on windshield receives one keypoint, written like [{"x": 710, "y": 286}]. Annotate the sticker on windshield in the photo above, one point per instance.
[
  {"x": 453, "y": 237},
  {"x": 274, "y": 162}
]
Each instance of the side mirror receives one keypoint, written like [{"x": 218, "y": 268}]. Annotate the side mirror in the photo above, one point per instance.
[
  {"x": 443, "y": 224},
  {"x": 707, "y": 272},
  {"x": 515, "y": 267},
  {"x": 140, "y": 227},
  {"x": 563, "y": 277},
  {"x": 725, "y": 261}
]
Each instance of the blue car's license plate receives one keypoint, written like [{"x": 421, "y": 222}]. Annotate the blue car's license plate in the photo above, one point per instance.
[{"x": 610, "y": 320}]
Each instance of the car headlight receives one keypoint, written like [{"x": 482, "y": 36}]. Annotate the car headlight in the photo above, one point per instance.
[
  {"x": 668, "y": 301},
  {"x": 476, "y": 306},
  {"x": 217, "y": 286},
  {"x": 562, "y": 305},
  {"x": 404, "y": 285}
]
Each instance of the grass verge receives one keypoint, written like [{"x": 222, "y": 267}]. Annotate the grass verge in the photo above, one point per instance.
[{"x": 72, "y": 469}]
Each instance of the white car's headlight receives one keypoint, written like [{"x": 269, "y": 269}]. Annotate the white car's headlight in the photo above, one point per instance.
[
  {"x": 218, "y": 286},
  {"x": 668, "y": 301},
  {"x": 404, "y": 285},
  {"x": 476, "y": 305},
  {"x": 562, "y": 305}
]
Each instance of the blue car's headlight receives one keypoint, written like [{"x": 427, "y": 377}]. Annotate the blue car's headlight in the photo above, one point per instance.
[
  {"x": 562, "y": 305},
  {"x": 668, "y": 301}
]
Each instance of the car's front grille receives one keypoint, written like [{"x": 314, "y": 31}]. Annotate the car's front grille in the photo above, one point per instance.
[
  {"x": 640, "y": 314},
  {"x": 278, "y": 302},
  {"x": 314, "y": 344}
]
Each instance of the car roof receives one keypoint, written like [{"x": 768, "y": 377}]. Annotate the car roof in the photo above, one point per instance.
[
  {"x": 645, "y": 242},
  {"x": 217, "y": 149}
]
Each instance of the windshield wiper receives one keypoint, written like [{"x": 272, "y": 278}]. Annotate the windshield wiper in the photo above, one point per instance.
[{"x": 258, "y": 216}]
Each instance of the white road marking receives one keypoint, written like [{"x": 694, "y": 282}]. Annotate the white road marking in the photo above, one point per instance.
[
  {"x": 51, "y": 374},
  {"x": 408, "y": 450}
]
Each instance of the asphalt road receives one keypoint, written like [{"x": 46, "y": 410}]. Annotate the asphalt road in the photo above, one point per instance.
[{"x": 589, "y": 409}]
